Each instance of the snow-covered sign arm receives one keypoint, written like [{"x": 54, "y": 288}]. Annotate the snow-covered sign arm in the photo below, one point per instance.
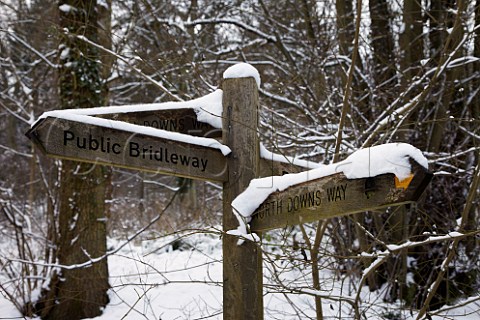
[
  {"x": 173, "y": 138},
  {"x": 200, "y": 117},
  {"x": 108, "y": 142},
  {"x": 369, "y": 179}
]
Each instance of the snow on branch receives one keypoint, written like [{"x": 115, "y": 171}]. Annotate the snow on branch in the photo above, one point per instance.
[
  {"x": 125, "y": 60},
  {"x": 234, "y": 22},
  {"x": 266, "y": 154},
  {"x": 401, "y": 111},
  {"x": 449, "y": 236},
  {"x": 29, "y": 47}
]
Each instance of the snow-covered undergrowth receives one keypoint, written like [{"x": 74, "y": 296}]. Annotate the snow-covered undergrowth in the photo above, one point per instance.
[
  {"x": 180, "y": 277},
  {"x": 168, "y": 278}
]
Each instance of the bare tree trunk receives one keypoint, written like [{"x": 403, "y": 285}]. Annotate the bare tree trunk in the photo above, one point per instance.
[
  {"x": 80, "y": 292},
  {"x": 411, "y": 40},
  {"x": 411, "y": 44},
  {"x": 383, "y": 49},
  {"x": 348, "y": 33},
  {"x": 445, "y": 20},
  {"x": 345, "y": 25},
  {"x": 474, "y": 215},
  {"x": 384, "y": 76}
]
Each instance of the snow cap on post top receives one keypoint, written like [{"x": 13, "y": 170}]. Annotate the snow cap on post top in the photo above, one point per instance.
[{"x": 242, "y": 70}]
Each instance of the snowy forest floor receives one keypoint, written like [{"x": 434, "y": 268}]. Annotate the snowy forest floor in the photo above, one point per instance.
[{"x": 171, "y": 278}]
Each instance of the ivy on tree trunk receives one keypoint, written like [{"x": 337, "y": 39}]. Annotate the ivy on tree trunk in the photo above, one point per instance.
[{"x": 77, "y": 293}]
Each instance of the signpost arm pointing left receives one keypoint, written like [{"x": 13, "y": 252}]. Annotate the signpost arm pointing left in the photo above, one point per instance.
[{"x": 102, "y": 141}]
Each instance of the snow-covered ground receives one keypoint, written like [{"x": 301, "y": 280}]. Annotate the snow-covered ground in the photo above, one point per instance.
[
  {"x": 154, "y": 281},
  {"x": 170, "y": 279}
]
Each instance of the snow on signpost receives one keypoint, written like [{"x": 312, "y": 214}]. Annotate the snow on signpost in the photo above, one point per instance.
[
  {"x": 177, "y": 138},
  {"x": 370, "y": 179},
  {"x": 165, "y": 140}
]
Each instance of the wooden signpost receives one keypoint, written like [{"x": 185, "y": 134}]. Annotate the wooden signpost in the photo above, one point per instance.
[{"x": 313, "y": 200}]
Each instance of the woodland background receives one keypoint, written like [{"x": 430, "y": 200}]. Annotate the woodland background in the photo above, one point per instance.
[{"x": 376, "y": 71}]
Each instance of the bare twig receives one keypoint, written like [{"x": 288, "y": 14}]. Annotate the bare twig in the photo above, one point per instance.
[{"x": 348, "y": 84}]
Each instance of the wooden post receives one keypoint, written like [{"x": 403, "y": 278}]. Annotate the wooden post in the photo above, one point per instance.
[{"x": 242, "y": 264}]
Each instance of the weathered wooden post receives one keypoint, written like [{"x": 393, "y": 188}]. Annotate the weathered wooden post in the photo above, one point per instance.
[{"x": 242, "y": 264}]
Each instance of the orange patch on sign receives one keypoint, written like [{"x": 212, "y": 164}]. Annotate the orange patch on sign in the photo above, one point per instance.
[{"x": 403, "y": 183}]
